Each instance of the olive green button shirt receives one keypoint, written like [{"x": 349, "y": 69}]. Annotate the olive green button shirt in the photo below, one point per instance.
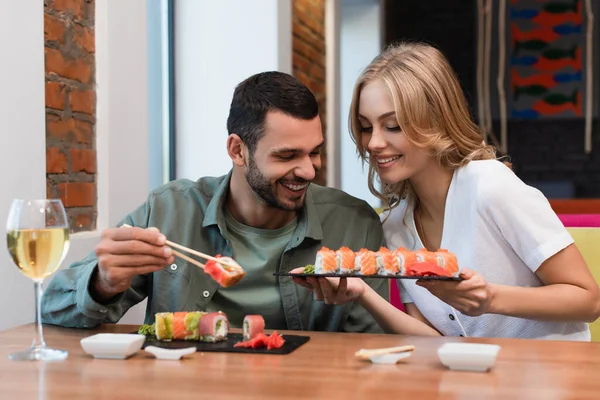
[{"x": 192, "y": 214}]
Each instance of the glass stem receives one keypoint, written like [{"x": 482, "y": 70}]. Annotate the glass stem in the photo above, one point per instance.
[{"x": 38, "y": 342}]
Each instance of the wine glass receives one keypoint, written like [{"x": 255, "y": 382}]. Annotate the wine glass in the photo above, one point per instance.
[{"x": 38, "y": 240}]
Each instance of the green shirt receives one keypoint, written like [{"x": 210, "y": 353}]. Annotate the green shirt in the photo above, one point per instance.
[
  {"x": 259, "y": 251},
  {"x": 191, "y": 213}
]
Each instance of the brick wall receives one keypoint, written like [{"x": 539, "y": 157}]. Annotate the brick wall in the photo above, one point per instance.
[
  {"x": 542, "y": 151},
  {"x": 71, "y": 108},
  {"x": 308, "y": 48}
]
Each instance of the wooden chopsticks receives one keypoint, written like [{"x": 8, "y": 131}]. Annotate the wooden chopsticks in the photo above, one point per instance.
[
  {"x": 196, "y": 253},
  {"x": 364, "y": 354}
]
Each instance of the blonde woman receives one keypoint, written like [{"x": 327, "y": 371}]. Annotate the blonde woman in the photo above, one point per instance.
[{"x": 522, "y": 275}]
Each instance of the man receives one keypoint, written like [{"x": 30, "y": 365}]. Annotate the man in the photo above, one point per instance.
[{"x": 265, "y": 214}]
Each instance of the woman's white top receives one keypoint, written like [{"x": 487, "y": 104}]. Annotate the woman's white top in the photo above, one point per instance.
[{"x": 503, "y": 229}]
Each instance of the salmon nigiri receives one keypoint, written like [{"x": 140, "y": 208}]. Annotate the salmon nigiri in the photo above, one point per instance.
[
  {"x": 366, "y": 261},
  {"x": 346, "y": 260},
  {"x": 387, "y": 263},
  {"x": 326, "y": 261},
  {"x": 405, "y": 258}
]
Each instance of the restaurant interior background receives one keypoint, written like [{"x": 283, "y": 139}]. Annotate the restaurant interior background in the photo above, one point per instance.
[{"x": 103, "y": 101}]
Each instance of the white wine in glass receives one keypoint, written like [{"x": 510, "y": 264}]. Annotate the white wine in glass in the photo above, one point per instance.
[{"x": 37, "y": 236}]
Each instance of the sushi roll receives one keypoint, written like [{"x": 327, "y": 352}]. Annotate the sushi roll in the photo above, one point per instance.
[
  {"x": 346, "y": 261},
  {"x": 164, "y": 326},
  {"x": 224, "y": 275},
  {"x": 387, "y": 263},
  {"x": 424, "y": 255},
  {"x": 213, "y": 327},
  {"x": 253, "y": 326},
  {"x": 366, "y": 262},
  {"x": 448, "y": 261},
  {"x": 404, "y": 258},
  {"x": 185, "y": 325},
  {"x": 326, "y": 262}
]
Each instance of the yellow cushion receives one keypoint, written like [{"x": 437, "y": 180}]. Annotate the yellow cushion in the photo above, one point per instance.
[{"x": 586, "y": 240}]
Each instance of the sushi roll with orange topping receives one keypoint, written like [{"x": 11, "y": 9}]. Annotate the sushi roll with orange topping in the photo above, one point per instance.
[
  {"x": 387, "y": 263},
  {"x": 326, "y": 261},
  {"x": 366, "y": 260},
  {"x": 448, "y": 261},
  {"x": 346, "y": 260},
  {"x": 404, "y": 258}
]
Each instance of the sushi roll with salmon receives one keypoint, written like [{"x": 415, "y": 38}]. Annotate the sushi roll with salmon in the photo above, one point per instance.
[
  {"x": 366, "y": 262},
  {"x": 164, "y": 326},
  {"x": 387, "y": 263},
  {"x": 424, "y": 255},
  {"x": 447, "y": 261},
  {"x": 346, "y": 261},
  {"x": 213, "y": 327},
  {"x": 253, "y": 325},
  {"x": 404, "y": 258},
  {"x": 185, "y": 325},
  {"x": 326, "y": 261}
]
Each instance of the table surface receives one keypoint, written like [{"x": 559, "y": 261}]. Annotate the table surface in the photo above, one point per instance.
[{"x": 325, "y": 367}]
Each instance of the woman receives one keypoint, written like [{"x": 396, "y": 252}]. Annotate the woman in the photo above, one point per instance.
[{"x": 522, "y": 275}]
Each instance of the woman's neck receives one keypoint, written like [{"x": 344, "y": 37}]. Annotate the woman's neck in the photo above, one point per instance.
[{"x": 431, "y": 189}]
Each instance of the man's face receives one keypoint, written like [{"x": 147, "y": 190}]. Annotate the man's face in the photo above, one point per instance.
[{"x": 285, "y": 161}]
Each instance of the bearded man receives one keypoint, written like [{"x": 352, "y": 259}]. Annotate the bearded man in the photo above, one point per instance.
[{"x": 265, "y": 213}]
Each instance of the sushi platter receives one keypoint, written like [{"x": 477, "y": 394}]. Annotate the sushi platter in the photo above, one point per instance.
[
  {"x": 209, "y": 332},
  {"x": 384, "y": 263}
]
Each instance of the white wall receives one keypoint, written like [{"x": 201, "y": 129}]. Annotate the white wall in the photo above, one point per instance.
[
  {"x": 360, "y": 41},
  {"x": 122, "y": 129},
  {"x": 219, "y": 44},
  {"x": 23, "y": 130},
  {"x": 122, "y": 117}
]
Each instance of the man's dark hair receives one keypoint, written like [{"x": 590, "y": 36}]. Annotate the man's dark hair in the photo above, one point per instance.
[{"x": 267, "y": 91}]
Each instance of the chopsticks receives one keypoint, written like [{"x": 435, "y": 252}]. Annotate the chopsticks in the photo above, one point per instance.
[
  {"x": 196, "y": 253},
  {"x": 364, "y": 354}
]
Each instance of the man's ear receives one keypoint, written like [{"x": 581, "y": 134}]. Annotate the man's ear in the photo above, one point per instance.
[{"x": 237, "y": 150}]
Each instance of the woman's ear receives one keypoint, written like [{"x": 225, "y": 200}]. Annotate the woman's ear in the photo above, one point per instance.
[{"x": 236, "y": 150}]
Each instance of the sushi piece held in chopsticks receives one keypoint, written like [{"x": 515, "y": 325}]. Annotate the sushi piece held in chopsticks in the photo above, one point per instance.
[
  {"x": 346, "y": 260},
  {"x": 387, "y": 263},
  {"x": 185, "y": 324},
  {"x": 366, "y": 261},
  {"x": 224, "y": 275},
  {"x": 252, "y": 326},
  {"x": 326, "y": 261},
  {"x": 213, "y": 327}
]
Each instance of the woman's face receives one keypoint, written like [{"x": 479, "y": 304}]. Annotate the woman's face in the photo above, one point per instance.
[{"x": 396, "y": 159}]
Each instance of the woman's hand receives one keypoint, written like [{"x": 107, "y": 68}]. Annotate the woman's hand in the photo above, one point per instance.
[
  {"x": 472, "y": 296},
  {"x": 332, "y": 290}
]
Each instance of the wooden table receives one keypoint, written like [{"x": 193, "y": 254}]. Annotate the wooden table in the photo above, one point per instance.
[{"x": 324, "y": 368}]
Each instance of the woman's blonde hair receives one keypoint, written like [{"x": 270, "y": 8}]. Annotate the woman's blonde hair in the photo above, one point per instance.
[{"x": 430, "y": 107}]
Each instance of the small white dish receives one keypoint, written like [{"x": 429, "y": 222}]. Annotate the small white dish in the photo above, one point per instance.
[
  {"x": 391, "y": 358},
  {"x": 476, "y": 357},
  {"x": 169, "y": 354},
  {"x": 112, "y": 345}
]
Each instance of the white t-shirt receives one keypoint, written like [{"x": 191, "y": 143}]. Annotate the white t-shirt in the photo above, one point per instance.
[{"x": 503, "y": 229}]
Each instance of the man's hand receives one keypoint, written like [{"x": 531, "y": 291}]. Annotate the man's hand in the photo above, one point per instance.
[{"x": 124, "y": 253}]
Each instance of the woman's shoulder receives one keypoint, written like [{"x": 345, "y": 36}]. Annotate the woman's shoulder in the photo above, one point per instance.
[{"x": 489, "y": 179}]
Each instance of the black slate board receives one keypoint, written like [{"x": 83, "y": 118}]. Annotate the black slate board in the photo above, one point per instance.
[
  {"x": 336, "y": 275},
  {"x": 292, "y": 342}
]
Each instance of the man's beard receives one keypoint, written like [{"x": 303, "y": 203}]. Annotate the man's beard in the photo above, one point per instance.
[{"x": 267, "y": 192}]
